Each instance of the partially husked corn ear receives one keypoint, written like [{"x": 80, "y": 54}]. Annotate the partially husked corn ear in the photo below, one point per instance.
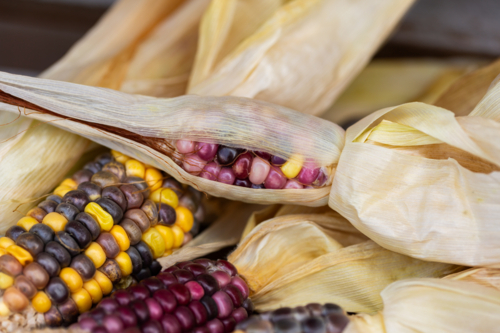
[
  {"x": 312, "y": 318},
  {"x": 241, "y": 167},
  {"x": 201, "y": 296},
  {"x": 111, "y": 220}
]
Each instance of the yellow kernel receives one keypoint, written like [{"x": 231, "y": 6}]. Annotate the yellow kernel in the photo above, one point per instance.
[
  {"x": 69, "y": 183},
  {"x": 104, "y": 282},
  {"x": 134, "y": 168},
  {"x": 83, "y": 300},
  {"x": 5, "y": 242},
  {"x": 2, "y": 252},
  {"x": 4, "y": 309},
  {"x": 96, "y": 254},
  {"x": 167, "y": 253},
  {"x": 23, "y": 256},
  {"x": 292, "y": 167},
  {"x": 102, "y": 217},
  {"x": 41, "y": 302},
  {"x": 62, "y": 190},
  {"x": 155, "y": 242},
  {"x": 154, "y": 178},
  {"x": 184, "y": 218},
  {"x": 27, "y": 222},
  {"x": 165, "y": 196},
  {"x": 94, "y": 290},
  {"x": 121, "y": 237},
  {"x": 6, "y": 281},
  {"x": 122, "y": 158},
  {"x": 178, "y": 236},
  {"x": 167, "y": 234},
  {"x": 55, "y": 221},
  {"x": 123, "y": 260},
  {"x": 72, "y": 278}
]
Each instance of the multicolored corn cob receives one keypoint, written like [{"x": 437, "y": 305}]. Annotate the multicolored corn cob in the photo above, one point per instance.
[
  {"x": 245, "y": 168},
  {"x": 107, "y": 224},
  {"x": 312, "y": 318},
  {"x": 200, "y": 296}
]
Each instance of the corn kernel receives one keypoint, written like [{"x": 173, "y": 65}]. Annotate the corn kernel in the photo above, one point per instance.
[
  {"x": 83, "y": 300},
  {"x": 104, "y": 282},
  {"x": 94, "y": 290},
  {"x": 135, "y": 168},
  {"x": 6, "y": 281},
  {"x": 123, "y": 260},
  {"x": 4, "y": 309},
  {"x": 69, "y": 183},
  {"x": 96, "y": 254},
  {"x": 61, "y": 190},
  {"x": 167, "y": 234},
  {"x": 122, "y": 158},
  {"x": 23, "y": 256},
  {"x": 5, "y": 242},
  {"x": 167, "y": 253},
  {"x": 121, "y": 237},
  {"x": 2, "y": 252},
  {"x": 154, "y": 178},
  {"x": 178, "y": 236},
  {"x": 155, "y": 242},
  {"x": 165, "y": 196},
  {"x": 104, "y": 219},
  {"x": 55, "y": 221},
  {"x": 292, "y": 167},
  {"x": 72, "y": 278},
  {"x": 27, "y": 222},
  {"x": 41, "y": 302},
  {"x": 184, "y": 219}
]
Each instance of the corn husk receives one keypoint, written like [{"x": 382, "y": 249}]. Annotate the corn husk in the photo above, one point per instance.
[
  {"x": 486, "y": 276},
  {"x": 293, "y": 260},
  {"x": 432, "y": 306},
  {"x": 131, "y": 124},
  {"x": 419, "y": 181},
  {"x": 299, "y": 53}
]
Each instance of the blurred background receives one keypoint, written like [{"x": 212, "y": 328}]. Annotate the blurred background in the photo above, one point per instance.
[{"x": 36, "y": 33}]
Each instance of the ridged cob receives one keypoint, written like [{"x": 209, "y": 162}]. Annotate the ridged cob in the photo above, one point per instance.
[
  {"x": 200, "y": 296},
  {"x": 240, "y": 167},
  {"x": 111, "y": 220},
  {"x": 312, "y": 318}
]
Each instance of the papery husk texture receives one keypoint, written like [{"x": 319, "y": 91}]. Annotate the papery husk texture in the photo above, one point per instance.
[{"x": 293, "y": 260}]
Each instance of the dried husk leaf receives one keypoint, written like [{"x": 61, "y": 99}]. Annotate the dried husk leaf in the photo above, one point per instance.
[
  {"x": 300, "y": 53},
  {"x": 293, "y": 260},
  {"x": 133, "y": 123},
  {"x": 486, "y": 276},
  {"x": 432, "y": 305},
  {"x": 421, "y": 182}
]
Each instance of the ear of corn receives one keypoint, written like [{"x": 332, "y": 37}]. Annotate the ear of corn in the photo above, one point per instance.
[{"x": 70, "y": 250}]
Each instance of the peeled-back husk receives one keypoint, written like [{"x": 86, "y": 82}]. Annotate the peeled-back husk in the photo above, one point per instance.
[
  {"x": 300, "y": 53},
  {"x": 432, "y": 306},
  {"x": 298, "y": 259},
  {"x": 419, "y": 181},
  {"x": 133, "y": 123},
  {"x": 486, "y": 276}
]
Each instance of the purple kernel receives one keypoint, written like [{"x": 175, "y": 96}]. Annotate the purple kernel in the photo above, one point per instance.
[
  {"x": 209, "y": 284},
  {"x": 241, "y": 285},
  {"x": 152, "y": 326},
  {"x": 292, "y": 184},
  {"x": 275, "y": 179},
  {"x": 100, "y": 329},
  {"x": 166, "y": 299},
  {"x": 122, "y": 297},
  {"x": 206, "y": 151},
  {"x": 234, "y": 293},
  {"x": 131, "y": 330},
  {"x": 210, "y": 171},
  {"x": 196, "y": 290},
  {"x": 201, "y": 329},
  {"x": 278, "y": 161},
  {"x": 321, "y": 180},
  {"x": 155, "y": 309},
  {"x": 141, "y": 310},
  {"x": 127, "y": 316},
  {"x": 181, "y": 293},
  {"x": 185, "y": 317},
  {"x": 241, "y": 166},
  {"x": 113, "y": 323},
  {"x": 263, "y": 155},
  {"x": 243, "y": 182},
  {"x": 226, "y": 176},
  {"x": 196, "y": 269},
  {"x": 204, "y": 262},
  {"x": 307, "y": 176},
  {"x": 336, "y": 323},
  {"x": 248, "y": 305},
  {"x": 170, "y": 324},
  {"x": 87, "y": 324},
  {"x": 215, "y": 326},
  {"x": 170, "y": 269},
  {"x": 167, "y": 278},
  {"x": 108, "y": 304},
  {"x": 98, "y": 314},
  {"x": 224, "y": 304},
  {"x": 229, "y": 324},
  {"x": 139, "y": 291},
  {"x": 227, "y": 267},
  {"x": 182, "y": 264},
  {"x": 210, "y": 306},
  {"x": 153, "y": 284},
  {"x": 223, "y": 278},
  {"x": 239, "y": 314},
  {"x": 185, "y": 146},
  {"x": 199, "y": 312},
  {"x": 258, "y": 186},
  {"x": 183, "y": 275}
]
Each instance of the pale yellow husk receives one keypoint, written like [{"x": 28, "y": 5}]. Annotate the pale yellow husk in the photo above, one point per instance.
[
  {"x": 419, "y": 181},
  {"x": 293, "y": 260},
  {"x": 486, "y": 276},
  {"x": 296, "y": 53},
  {"x": 433, "y": 306}
]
